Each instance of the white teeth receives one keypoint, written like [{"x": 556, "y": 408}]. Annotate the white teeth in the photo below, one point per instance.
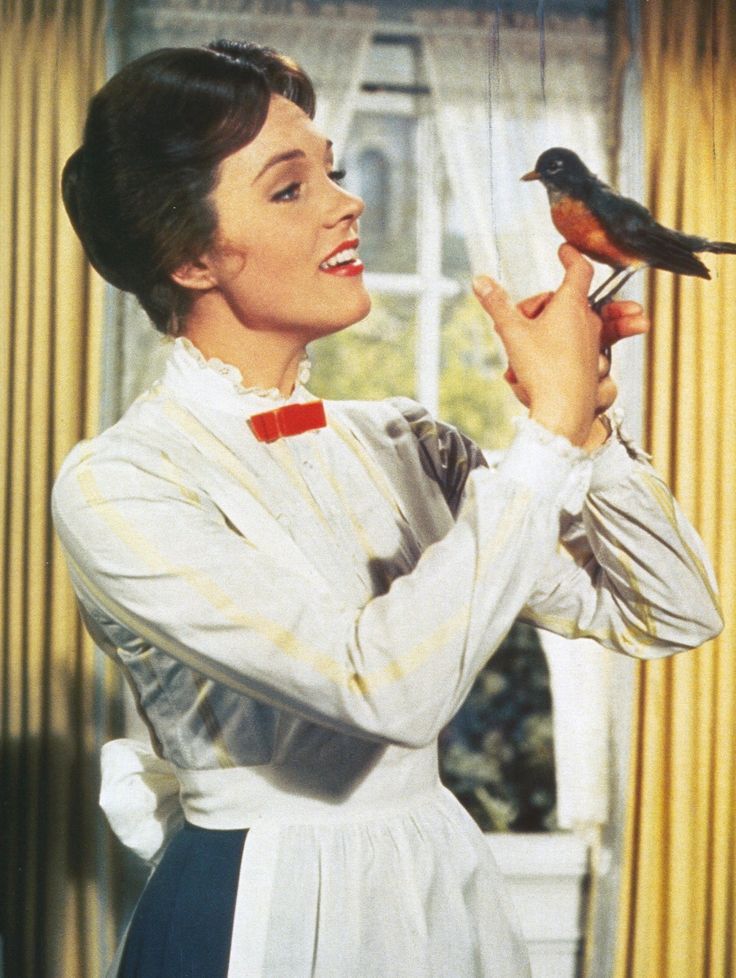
[{"x": 341, "y": 258}]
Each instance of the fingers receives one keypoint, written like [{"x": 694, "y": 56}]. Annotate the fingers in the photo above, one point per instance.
[
  {"x": 495, "y": 300},
  {"x": 623, "y": 319},
  {"x": 606, "y": 395},
  {"x": 578, "y": 270},
  {"x": 617, "y": 308},
  {"x": 554, "y": 351},
  {"x": 534, "y": 305},
  {"x": 607, "y": 390}
]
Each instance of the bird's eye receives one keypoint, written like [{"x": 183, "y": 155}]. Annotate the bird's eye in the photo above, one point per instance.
[{"x": 554, "y": 166}]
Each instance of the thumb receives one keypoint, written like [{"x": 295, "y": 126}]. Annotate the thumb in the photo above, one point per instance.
[
  {"x": 578, "y": 271},
  {"x": 494, "y": 299}
]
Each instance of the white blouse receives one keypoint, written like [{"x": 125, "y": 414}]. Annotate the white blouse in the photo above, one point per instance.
[{"x": 300, "y": 619}]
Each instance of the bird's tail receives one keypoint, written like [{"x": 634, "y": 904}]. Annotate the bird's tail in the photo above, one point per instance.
[{"x": 721, "y": 247}]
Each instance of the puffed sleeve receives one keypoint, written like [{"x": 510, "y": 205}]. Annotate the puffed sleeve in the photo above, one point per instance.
[
  {"x": 155, "y": 564},
  {"x": 633, "y": 573},
  {"x": 449, "y": 455}
]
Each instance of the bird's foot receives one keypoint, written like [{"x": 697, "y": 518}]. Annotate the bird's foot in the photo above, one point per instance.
[{"x": 608, "y": 289}]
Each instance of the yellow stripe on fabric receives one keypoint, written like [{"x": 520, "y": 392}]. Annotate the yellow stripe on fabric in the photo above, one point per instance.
[
  {"x": 282, "y": 638},
  {"x": 557, "y": 623},
  {"x": 402, "y": 667},
  {"x": 213, "y": 448},
  {"x": 141, "y": 628},
  {"x": 666, "y": 504},
  {"x": 640, "y": 606},
  {"x": 570, "y": 627},
  {"x": 173, "y": 474},
  {"x": 509, "y": 521},
  {"x": 374, "y": 471},
  {"x": 360, "y": 530},
  {"x": 282, "y": 452}
]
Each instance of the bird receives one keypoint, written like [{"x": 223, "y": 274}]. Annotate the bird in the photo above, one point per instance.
[{"x": 613, "y": 229}]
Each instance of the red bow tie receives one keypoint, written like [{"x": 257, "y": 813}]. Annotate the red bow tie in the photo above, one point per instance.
[{"x": 291, "y": 419}]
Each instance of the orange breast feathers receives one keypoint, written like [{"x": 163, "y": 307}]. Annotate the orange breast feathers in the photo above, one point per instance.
[{"x": 586, "y": 233}]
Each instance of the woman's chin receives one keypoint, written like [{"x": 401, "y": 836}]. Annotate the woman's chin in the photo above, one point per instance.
[
  {"x": 364, "y": 310},
  {"x": 352, "y": 316}
]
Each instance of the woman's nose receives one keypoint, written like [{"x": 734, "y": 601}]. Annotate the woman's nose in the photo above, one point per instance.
[{"x": 345, "y": 206}]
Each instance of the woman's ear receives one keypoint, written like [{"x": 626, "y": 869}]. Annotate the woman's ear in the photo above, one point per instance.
[{"x": 195, "y": 274}]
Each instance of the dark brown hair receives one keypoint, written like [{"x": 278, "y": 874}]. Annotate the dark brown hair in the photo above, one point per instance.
[{"x": 137, "y": 190}]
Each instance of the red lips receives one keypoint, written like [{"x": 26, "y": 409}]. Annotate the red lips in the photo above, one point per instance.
[
  {"x": 345, "y": 246},
  {"x": 350, "y": 267}
]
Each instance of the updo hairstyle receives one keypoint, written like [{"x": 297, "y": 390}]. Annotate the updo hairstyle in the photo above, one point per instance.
[{"x": 137, "y": 190}]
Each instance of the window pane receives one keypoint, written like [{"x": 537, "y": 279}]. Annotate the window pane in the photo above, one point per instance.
[
  {"x": 473, "y": 394},
  {"x": 455, "y": 262},
  {"x": 374, "y": 358},
  {"x": 380, "y": 164},
  {"x": 497, "y": 754}
]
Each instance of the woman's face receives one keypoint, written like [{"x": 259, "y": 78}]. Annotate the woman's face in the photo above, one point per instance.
[{"x": 283, "y": 221}]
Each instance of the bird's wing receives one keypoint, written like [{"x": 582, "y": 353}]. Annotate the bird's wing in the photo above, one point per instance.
[
  {"x": 668, "y": 249},
  {"x": 619, "y": 211},
  {"x": 634, "y": 230}
]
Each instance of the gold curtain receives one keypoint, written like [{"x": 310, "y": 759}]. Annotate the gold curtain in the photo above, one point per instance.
[
  {"x": 678, "y": 916},
  {"x": 51, "y": 58}
]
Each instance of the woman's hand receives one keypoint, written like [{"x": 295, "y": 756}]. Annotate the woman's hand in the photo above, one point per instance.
[
  {"x": 554, "y": 355},
  {"x": 553, "y": 341},
  {"x": 620, "y": 320}
]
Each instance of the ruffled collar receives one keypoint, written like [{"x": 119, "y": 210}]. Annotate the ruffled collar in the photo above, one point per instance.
[{"x": 185, "y": 347}]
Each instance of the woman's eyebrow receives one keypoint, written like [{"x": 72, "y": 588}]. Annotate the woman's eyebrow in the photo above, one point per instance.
[{"x": 291, "y": 154}]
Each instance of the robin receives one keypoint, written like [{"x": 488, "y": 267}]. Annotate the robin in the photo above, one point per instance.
[{"x": 613, "y": 229}]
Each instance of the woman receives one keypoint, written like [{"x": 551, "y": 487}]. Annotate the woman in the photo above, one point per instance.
[{"x": 301, "y": 597}]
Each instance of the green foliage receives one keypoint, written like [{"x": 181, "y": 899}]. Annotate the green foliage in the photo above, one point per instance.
[
  {"x": 375, "y": 358},
  {"x": 371, "y": 360},
  {"x": 497, "y": 754},
  {"x": 473, "y": 394}
]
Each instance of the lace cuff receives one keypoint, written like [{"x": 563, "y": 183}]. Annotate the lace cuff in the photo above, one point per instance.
[
  {"x": 548, "y": 464},
  {"x": 617, "y": 457}
]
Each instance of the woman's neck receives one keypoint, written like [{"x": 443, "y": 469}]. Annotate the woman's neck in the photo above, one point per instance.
[{"x": 265, "y": 359}]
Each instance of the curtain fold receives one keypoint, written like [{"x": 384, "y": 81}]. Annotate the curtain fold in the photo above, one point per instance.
[
  {"x": 331, "y": 42},
  {"x": 497, "y": 110},
  {"x": 333, "y": 51},
  {"x": 51, "y": 58},
  {"x": 679, "y": 897}
]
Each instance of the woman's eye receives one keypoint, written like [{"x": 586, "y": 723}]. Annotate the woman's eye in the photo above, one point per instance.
[
  {"x": 288, "y": 193},
  {"x": 293, "y": 190}
]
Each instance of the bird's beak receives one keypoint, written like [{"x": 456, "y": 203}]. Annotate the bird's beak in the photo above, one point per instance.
[{"x": 531, "y": 175}]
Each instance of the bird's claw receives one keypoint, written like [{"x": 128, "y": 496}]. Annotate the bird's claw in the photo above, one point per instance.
[{"x": 608, "y": 289}]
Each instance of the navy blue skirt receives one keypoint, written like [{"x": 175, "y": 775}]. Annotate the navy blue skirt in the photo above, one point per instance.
[{"x": 182, "y": 924}]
